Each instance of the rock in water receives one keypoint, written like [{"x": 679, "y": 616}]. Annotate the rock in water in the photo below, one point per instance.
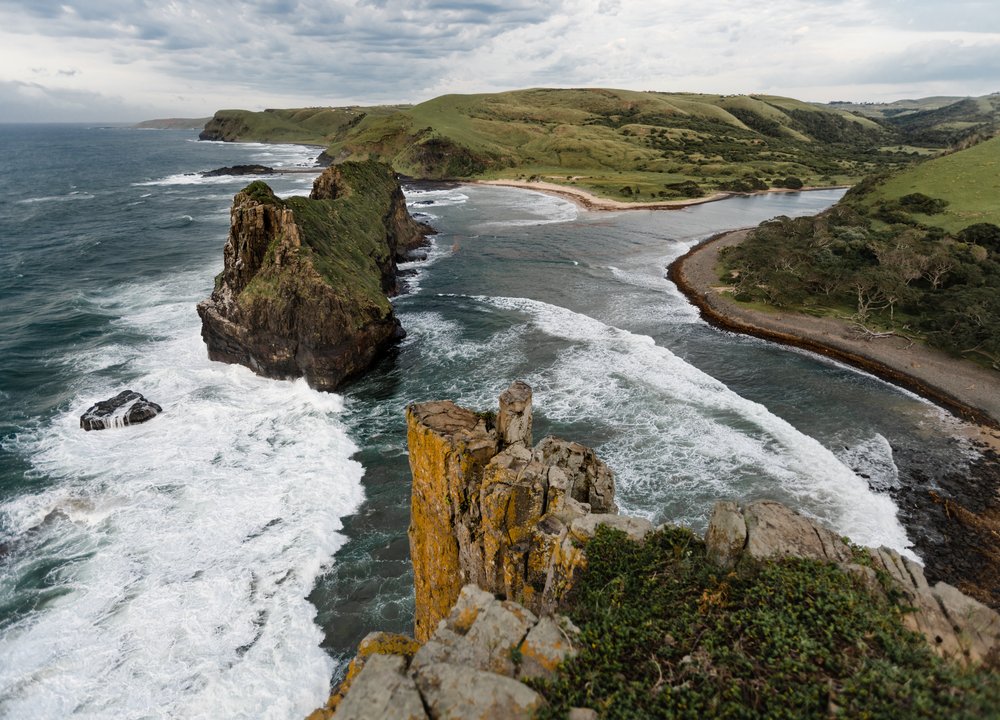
[
  {"x": 304, "y": 285},
  {"x": 126, "y": 408},
  {"x": 239, "y": 170}
]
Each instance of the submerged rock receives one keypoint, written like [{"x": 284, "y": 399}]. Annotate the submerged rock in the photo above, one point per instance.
[
  {"x": 303, "y": 291},
  {"x": 126, "y": 408}
]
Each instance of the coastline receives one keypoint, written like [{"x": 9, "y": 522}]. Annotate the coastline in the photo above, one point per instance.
[
  {"x": 953, "y": 519},
  {"x": 966, "y": 390},
  {"x": 588, "y": 201}
]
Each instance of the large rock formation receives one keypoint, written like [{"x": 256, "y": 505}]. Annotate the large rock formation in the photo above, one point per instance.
[
  {"x": 489, "y": 509},
  {"x": 303, "y": 290}
]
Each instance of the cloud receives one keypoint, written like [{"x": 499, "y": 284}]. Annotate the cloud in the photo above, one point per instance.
[
  {"x": 34, "y": 102},
  {"x": 273, "y": 53}
]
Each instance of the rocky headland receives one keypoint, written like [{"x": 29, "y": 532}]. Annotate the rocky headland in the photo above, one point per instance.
[
  {"x": 509, "y": 541},
  {"x": 305, "y": 285}
]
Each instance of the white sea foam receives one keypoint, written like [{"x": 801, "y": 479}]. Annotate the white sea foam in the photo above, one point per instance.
[
  {"x": 525, "y": 208},
  {"x": 184, "y": 547},
  {"x": 69, "y": 197},
  {"x": 681, "y": 437},
  {"x": 419, "y": 200},
  {"x": 872, "y": 459}
]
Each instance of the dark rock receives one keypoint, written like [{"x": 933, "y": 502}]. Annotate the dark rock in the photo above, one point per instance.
[
  {"x": 239, "y": 170},
  {"x": 304, "y": 284},
  {"x": 125, "y": 408}
]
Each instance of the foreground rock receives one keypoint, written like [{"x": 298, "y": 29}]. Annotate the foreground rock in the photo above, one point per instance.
[
  {"x": 489, "y": 509},
  {"x": 126, "y": 408},
  {"x": 956, "y": 626},
  {"x": 498, "y": 534},
  {"x": 473, "y": 666},
  {"x": 239, "y": 170},
  {"x": 303, "y": 291}
]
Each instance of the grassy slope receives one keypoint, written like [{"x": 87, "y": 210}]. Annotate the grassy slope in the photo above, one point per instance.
[
  {"x": 344, "y": 239},
  {"x": 969, "y": 180},
  {"x": 603, "y": 140}
]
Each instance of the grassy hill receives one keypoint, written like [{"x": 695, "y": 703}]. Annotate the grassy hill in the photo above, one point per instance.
[
  {"x": 309, "y": 126},
  {"x": 935, "y": 121},
  {"x": 917, "y": 253},
  {"x": 620, "y": 143},
  {"x": 968, "y": 181}
]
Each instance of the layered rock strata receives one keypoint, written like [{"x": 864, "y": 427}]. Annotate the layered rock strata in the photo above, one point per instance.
[
  {"x": 489, "y": 509},
  {"x": 304, "y": 287}
]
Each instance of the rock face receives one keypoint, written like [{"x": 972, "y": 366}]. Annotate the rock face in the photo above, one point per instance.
[
  {"x": 956, "y": 626},
  {"x": 488, "y": 509},
  {"x": 471, "y": 667},
  {"x": 304, "y": 284},
  {"x": 126, "y": 408}
]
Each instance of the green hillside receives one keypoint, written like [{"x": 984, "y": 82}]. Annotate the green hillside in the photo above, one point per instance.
[
  {"x": 968, "y": 181},
  {"x": 916, "y": 253},
  {"x": 310, "y": 126},
  {"x": 619, "y": 143}
]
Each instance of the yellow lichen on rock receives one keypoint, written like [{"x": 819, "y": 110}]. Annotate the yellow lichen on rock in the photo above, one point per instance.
[{"x": 449, "y": 446}]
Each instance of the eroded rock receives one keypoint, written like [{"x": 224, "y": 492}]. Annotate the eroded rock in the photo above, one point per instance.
[
  {"x": 126, "y": 408},
  {"x": 383, "y": 690},
  {"x": 453, "y": 692}
]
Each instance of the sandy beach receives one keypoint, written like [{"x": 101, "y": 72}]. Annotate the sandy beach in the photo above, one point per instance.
[
  {"x": 589, "y": 201},
  {"x": 968, "y": 390}
]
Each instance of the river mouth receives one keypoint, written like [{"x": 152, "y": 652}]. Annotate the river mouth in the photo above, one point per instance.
[{"x": 521, "y": 285}]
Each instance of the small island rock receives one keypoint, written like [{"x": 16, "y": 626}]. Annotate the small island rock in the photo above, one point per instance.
[{"x": 126, "y": 408}]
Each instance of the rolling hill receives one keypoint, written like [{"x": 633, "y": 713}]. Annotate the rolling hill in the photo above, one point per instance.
[{"x": 619, "y": 143}]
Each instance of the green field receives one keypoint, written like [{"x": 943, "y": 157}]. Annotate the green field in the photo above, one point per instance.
[{"x": 968, "y": 180}]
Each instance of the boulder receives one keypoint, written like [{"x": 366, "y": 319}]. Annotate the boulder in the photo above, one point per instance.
[
  {"x": 126, "y": 408},
  {"x": 382, "y": 690},
  {"x": 726, "y": 535},
  {"x": 457, "y": 693},
  {"x": 774, "y": 531}
]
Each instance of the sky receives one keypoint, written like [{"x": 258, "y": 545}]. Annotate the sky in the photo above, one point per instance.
[{"x": 129, "y": 60}]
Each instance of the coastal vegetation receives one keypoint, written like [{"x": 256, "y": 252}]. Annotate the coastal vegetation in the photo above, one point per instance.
[
  {"x": 665, "y": 633},
  {"x": 915, "y": 254},
  {"x": 628, "y": 145}
]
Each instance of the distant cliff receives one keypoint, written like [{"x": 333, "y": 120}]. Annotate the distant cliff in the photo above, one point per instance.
[{"x": 303, "y": 290}]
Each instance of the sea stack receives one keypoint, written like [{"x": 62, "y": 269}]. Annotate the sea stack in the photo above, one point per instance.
[{"x": 304, "y": 288}]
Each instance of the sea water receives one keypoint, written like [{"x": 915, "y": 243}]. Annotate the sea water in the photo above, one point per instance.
[{"x": 223, "y": 559}]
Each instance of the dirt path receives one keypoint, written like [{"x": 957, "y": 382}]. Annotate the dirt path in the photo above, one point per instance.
[{"x": 968, "y": 390}]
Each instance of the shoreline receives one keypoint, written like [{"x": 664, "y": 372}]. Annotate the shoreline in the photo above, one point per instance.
[
  {"x": 589, "y": 201},
  {"x": 960, "y": 387}
]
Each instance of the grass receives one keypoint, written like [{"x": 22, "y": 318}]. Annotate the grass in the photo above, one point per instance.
[
  {"x": 666, "y": 634},
  {"x": 968, "y": 180},
  {"x": 343, "y": 239},
  {"x": 651, "y": 138}
]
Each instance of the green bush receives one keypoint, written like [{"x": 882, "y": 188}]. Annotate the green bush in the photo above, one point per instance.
[{"x": 665, "y": 634}]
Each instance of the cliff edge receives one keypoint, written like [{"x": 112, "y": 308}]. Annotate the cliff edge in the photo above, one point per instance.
[
  {"x": 536, "y": 598},
  {"x": 303, "y": 291}
]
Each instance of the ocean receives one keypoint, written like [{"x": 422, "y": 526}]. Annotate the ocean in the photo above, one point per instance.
[{"x": 223, "y": 559}]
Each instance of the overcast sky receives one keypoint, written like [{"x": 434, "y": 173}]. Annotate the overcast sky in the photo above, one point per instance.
[{"x": 124, "y": 60}]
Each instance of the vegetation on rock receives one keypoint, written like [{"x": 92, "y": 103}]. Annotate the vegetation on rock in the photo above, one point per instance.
[{"x": 665, "y": 633}]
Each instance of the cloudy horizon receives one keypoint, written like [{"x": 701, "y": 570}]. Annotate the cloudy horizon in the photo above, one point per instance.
[{"x": 128, "y": 60}]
